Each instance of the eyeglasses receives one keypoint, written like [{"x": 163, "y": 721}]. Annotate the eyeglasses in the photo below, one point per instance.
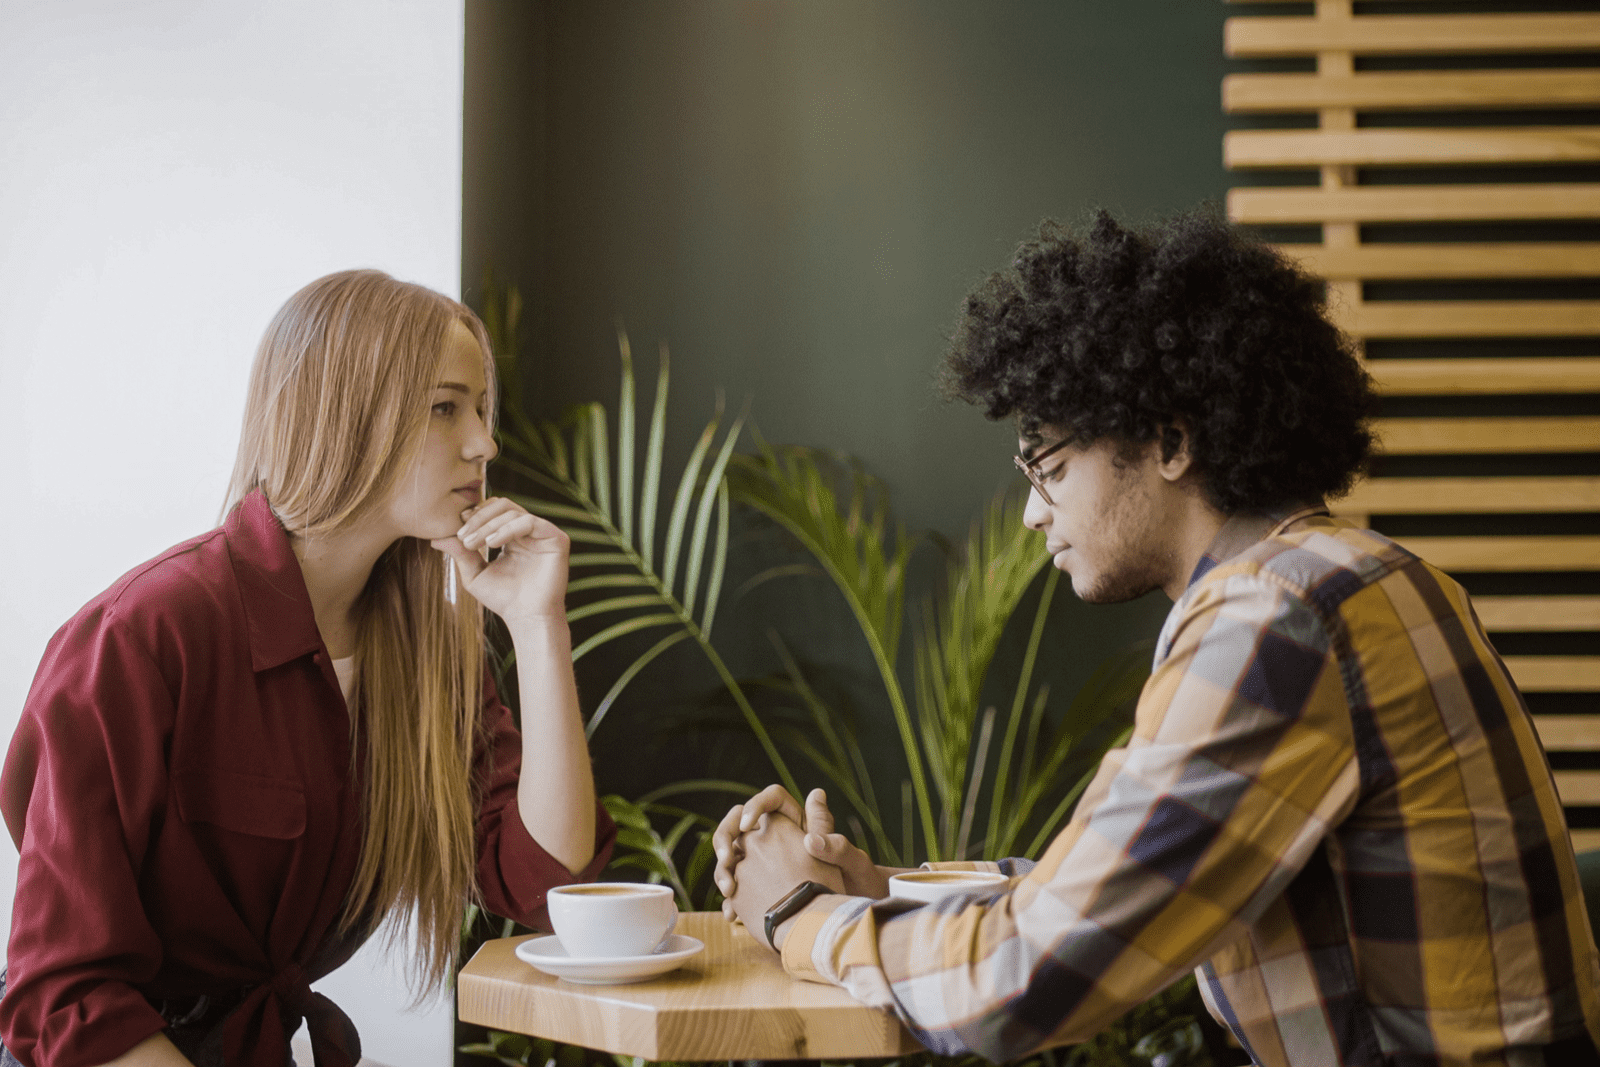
[{"x": 1030, "y": 468}]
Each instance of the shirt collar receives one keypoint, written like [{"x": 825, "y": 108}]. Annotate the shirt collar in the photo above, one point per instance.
[
  {"x": 1246, "y": 529},
  {"x": 276, "y": 605}
]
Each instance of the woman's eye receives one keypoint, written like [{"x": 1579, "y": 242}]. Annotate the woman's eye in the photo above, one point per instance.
[{"x": 445, "y": 409}]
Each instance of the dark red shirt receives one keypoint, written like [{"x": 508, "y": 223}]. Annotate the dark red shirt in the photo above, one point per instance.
[{"x": 181, "y": 791}]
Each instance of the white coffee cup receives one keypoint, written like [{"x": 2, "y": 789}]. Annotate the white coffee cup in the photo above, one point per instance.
[
  {"x": 926, "y": 886},
  {"x": 612, "y": 919}
]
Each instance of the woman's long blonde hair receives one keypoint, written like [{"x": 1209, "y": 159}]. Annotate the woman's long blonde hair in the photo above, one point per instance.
[{"x": 336, "y": 412}]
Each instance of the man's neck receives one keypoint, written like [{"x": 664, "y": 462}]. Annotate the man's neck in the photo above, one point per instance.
[{"x": 1194, "y": 525}]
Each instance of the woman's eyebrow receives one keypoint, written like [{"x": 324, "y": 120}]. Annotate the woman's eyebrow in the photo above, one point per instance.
[{"x": 459, "y": 387}]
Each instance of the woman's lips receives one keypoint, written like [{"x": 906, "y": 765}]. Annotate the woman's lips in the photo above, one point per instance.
[{"x": 472, "y": 491}]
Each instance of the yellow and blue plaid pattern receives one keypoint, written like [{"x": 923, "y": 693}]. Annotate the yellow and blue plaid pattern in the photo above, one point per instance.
[{"x": 1334, "y": 804}]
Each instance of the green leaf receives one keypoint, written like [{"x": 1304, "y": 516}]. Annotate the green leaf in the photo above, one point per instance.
[
  {"x": 627, "y": 676},
  {"x": 761, "y": 578},
  {"x": 791, "y": 488},
  {"x": 600, "y": 457},
  {"x": 998, "y": 796},
  {"x": 627, "y": 626},
  {"x": 652, "y": 466},
  {"x": 625, "y": 417},
  {"x": 602, "y": 560},
  {"x": 719, "y": 559},
  {"x": 688, "y": 786},
  {"x": 677, "y": 524},
  {"x": 702, "y": 521},
  {"x": 614, "y": 604},
  {"x": 597, "y": 582},
  {"x": 582, "y": 466}
]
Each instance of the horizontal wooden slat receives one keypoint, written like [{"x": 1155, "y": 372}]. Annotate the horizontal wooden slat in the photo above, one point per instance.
[
  {"x": 1407, "y": 34},
  {"x": 1550, "y": 259},
  {"x": 1471, "y": 496},
  {"x": 1416, "y": 203},
  {"x": 1568, "y": 734},
  {"x": 1585, "y": 839},
  {"x": 1532, "y": 552},
  {"x": 1420, "y": 90},
  {"x": 1545, "y": 433},
  {"x": 1538, "y": 613},
  {"x": 1555, "y": 674},
  {"x": 1577, "y": 374},
  {"x": 1411, "y": 146},
  {"x": 1578, "y": 787},
  {"x": 1468, "y": 318}
]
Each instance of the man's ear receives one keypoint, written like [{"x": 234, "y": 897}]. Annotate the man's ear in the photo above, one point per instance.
[{"x": 1174, "y": 458}]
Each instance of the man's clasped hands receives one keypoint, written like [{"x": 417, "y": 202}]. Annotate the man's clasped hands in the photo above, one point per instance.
[{"x": 767, "y": 846}]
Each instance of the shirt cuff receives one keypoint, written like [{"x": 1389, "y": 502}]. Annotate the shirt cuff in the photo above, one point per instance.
[
  {"x": 799, "y": 947},
  {"x": 524, "y": 871}
]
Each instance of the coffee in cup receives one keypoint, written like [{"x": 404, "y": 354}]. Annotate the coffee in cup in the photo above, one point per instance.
[
  {"x": 926, "y": 886},
  {"x": 612, "y": 919}
]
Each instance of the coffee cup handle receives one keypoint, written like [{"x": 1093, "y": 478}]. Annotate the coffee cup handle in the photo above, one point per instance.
[{"x": 671, "y": 925}]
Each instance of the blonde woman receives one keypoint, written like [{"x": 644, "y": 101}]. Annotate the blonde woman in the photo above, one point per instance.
[{"x": 247, "y": 752}]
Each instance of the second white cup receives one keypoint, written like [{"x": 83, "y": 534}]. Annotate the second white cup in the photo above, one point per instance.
[
  {"x": 926, "y": 886},
  {"x": 612, "y": 919}
]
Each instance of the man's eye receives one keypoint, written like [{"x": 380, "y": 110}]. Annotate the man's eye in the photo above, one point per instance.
[
  {"x": 1054, "y": 473},
  {"x": 445, "y": 408}
]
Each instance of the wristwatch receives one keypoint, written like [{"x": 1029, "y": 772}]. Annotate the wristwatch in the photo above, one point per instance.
[{"x": 791, "y": 903}]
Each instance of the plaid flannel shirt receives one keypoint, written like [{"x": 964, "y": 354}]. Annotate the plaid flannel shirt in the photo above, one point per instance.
[{"x": 1334, "y": 804}]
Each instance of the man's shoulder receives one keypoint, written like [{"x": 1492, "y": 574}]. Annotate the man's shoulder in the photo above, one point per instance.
[{"x": 1322, "y": 562}]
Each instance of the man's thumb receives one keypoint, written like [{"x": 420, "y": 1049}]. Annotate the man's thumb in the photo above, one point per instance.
[{"x": 830, "y": 848}]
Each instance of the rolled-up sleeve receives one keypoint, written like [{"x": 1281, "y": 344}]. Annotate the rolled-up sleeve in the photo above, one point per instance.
[
  {"x": 84, "y": 783},
  {"x": 514, "y": 870},
  {"x": 1240, "y": 764}
]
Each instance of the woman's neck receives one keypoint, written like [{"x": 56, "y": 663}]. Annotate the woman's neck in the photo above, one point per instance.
[{"x": 336, "y": 568}]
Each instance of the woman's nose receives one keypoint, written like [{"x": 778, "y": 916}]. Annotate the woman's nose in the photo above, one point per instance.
[{"x": 480, "y": 446}]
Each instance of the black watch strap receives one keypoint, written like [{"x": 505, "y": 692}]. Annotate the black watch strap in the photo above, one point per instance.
[{"x": 791, "y": 903}]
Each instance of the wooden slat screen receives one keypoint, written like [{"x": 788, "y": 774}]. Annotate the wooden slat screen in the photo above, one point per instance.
[{"x": 1448, "y": 163}]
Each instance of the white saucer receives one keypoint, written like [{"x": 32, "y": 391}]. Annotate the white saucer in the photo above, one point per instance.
[{"x": 548, "y": 955}]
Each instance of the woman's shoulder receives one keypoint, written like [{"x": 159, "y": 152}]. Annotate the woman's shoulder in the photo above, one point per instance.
[{"x": 189, "y": 589}]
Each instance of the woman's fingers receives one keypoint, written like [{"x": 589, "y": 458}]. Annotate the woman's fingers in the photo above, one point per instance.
[
  {"x": 475, "y": 517},
  {"x": 467, "y": 563},
  {"x": 503, "y": 528}
]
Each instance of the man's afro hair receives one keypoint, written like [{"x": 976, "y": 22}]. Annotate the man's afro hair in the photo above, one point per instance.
[{"x": 1116, "y": 333}]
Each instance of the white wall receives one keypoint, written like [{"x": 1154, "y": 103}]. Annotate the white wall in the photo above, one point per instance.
[{"x": 170, "y": 171}]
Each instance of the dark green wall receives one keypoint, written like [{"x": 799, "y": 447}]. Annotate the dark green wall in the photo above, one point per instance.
[{"x": 796, "y": 195}]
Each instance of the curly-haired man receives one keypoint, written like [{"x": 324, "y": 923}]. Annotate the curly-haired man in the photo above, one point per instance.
[{"x": 1334, "y": 804}]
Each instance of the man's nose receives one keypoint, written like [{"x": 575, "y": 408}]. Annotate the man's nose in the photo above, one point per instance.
[{"x": 1036, "y": 516}]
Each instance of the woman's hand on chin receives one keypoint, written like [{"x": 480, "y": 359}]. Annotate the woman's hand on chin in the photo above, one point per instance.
[{"x": 527, "y": 581}]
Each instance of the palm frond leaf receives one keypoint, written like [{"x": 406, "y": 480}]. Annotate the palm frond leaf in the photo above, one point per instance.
[
  {"x": 570, "y": 464},
  {"x": 956, "y": 642}
]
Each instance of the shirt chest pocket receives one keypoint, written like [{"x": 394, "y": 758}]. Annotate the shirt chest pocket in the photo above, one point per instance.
[{"x": 240, "y": 802}]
